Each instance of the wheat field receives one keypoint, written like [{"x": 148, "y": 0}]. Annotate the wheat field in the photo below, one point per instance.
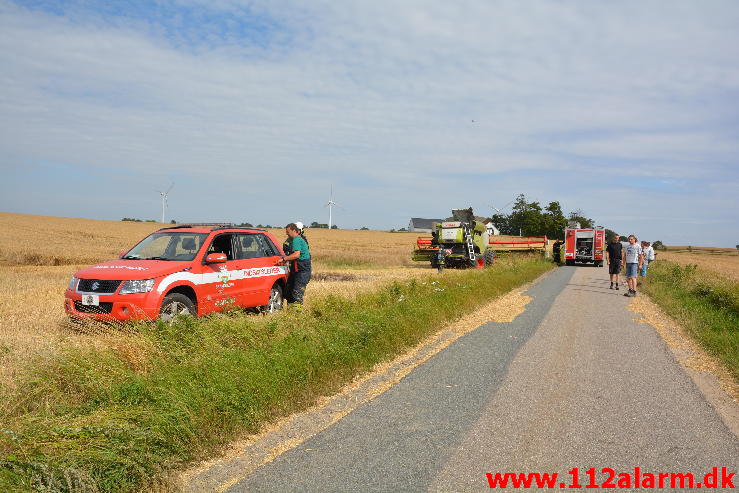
[
  {"x": 722, "y": 261},
  {"x": 39, "y": 254}
]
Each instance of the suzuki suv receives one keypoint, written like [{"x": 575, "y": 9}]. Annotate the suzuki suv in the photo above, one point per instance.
[{"x": 183, "y": 270}]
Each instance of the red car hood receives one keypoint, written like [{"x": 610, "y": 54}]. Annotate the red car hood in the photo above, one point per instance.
[{"x": 131, "y": 269}]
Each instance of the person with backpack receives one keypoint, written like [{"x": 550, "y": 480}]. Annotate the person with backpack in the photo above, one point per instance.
[{"x": 648, "y": 257}]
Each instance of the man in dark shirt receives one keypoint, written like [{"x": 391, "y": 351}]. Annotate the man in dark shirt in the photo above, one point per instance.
[
  {"x": 614, "y": 257},
  {"x": 556, "y": 249}
]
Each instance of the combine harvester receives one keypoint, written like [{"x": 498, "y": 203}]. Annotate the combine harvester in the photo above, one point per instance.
[{"x": 465, "y": 242}]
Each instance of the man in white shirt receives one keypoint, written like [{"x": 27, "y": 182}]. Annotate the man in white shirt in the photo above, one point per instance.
[
  {"x": 633, "y": 258},
  {"x": 646, "y": 247}
]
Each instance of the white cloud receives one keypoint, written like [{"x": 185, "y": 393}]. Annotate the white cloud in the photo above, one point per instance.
[{"x": 381, "y": 95}]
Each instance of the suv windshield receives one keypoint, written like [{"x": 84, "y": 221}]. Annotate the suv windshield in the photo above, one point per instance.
[{"x": 167, "y": 246}]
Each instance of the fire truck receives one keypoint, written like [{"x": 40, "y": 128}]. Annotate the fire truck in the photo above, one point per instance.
[{"x": 584, "y": 245}]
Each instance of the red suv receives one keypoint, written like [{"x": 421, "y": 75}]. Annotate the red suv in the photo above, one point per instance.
[{"x": 183, "y": 270}]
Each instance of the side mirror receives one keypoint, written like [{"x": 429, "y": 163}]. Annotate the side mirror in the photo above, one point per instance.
[{"x": 215, "y": 258}]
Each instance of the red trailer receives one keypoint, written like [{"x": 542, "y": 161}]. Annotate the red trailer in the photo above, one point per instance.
[{"x": 585, "y": 245}]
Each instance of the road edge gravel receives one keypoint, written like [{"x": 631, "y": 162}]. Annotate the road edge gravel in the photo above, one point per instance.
[{"x": 711, "y": 378}]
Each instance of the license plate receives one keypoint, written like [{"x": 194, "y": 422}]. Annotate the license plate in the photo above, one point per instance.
[{"x": 91, "y": 299}]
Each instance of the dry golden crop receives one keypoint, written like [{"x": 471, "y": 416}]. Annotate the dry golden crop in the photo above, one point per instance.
[
  {"x": 38, "y": 255},
  {"x": 724, "y": 262},
  {"x": 44, "y": 240}
]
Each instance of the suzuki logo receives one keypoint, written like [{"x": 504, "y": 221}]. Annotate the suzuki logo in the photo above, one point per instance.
[{"x": 95, "y": 286}]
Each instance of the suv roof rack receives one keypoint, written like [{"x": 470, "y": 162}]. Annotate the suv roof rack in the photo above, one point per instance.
[
  {"x": 239, "y": 227},
  {"x": 199, "y": 225},
  {"x": 213, "y": 226}
]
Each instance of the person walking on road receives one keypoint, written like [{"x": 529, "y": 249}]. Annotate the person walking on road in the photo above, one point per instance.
[
  {"x": 614, "y": 259},
  {"x": 648, "y": 257},
  {"x": 300, "y": 267},
  {"x": 633, "y": 258}
]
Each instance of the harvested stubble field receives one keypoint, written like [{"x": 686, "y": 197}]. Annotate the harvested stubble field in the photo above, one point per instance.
[
  {"x": 723, "y": 261},
  {"x": 38, "y": 255}
]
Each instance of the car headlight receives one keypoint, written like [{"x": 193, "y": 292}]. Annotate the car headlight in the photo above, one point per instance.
[
  {"x": 72, "y": 283},
  {"x": 140, "y": 286}
]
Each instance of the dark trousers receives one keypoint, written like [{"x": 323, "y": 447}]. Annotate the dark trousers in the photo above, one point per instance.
[{"x": 298, "y": 281}]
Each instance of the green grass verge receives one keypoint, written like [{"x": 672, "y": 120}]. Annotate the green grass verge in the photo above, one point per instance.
[
  {"x": 707, "y": 305},
  {"x": 120, "y": 418}
]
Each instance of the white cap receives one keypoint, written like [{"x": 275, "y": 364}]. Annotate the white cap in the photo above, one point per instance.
[{"x": 299, "y": 225}]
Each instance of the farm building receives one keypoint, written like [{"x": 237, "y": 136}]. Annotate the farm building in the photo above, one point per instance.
[
  {"x": 492, "y": 230},
  {"x": 420, "y": 225}
]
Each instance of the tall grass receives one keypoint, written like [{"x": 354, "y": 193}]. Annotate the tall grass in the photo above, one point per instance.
[
  {"x": 705, "y": 303},
  {"x": 93, "y": 420}
]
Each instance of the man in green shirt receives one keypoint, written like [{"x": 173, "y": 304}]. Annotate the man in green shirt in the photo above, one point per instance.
[{"x": 298, "y": 254}]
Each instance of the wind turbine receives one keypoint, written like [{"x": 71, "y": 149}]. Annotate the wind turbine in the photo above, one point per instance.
[
  {"x": 498, "y": 210},
  {"x": 164, "y": 199},
  {"x": 330, "y": 204}
]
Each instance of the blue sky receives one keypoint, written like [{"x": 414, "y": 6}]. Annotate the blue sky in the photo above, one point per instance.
[{"x": 626, "y": 110}]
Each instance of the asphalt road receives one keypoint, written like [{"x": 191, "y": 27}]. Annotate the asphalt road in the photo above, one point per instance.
[{"x": 572, "y": 382}]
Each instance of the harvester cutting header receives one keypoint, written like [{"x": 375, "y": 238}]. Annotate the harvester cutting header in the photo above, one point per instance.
[{"x": 465, "y": 241}]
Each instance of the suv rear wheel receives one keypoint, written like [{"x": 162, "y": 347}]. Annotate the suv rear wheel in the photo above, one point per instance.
[{"x": 176, "y": 305}]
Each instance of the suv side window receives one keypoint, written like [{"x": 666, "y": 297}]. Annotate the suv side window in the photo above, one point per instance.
[
  {"x": 250, "y": 246},
  {"x": 222, "y": 244},
  {"x": 269, "y": 248},
  {"x": 186, "y": 246}
]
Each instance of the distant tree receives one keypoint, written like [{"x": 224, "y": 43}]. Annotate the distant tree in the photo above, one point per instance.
[
  {"x": 554, "y": 221},
  {"x": 315, "y": 224},
  {"x": 579, "y": 216},
  {"x": 173, "y": 222},
  {"x": 737, "y": 247},
  {"x": 502, "y": 222},
  {"x": 526, "y": 218},
  {"x": 334, "y": 226},
  {"x": 529, "y": 219},
  {"x": 657, "y": 245},
  {"x": 151, "y": 220},
  {"x": 402, "y": 229},
  {"x": 245, "y": 225},
  {"x": 132, "y": 219},
  {"x": 623, "y": 238},
  {"x": 609, "y": 235},
  {"x": 365, "y": 228}
]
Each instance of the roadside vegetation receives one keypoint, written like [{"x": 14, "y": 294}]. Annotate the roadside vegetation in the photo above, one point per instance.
[
  {"x": 706, "y": 304},
  {"x": 119, "y": 416},
  {"x": 723, "y": 261},
  {"x": 38, "y": 255}
]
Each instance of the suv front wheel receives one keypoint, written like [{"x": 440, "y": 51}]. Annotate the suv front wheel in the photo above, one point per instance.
[{"x": 176, "y": 305}]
